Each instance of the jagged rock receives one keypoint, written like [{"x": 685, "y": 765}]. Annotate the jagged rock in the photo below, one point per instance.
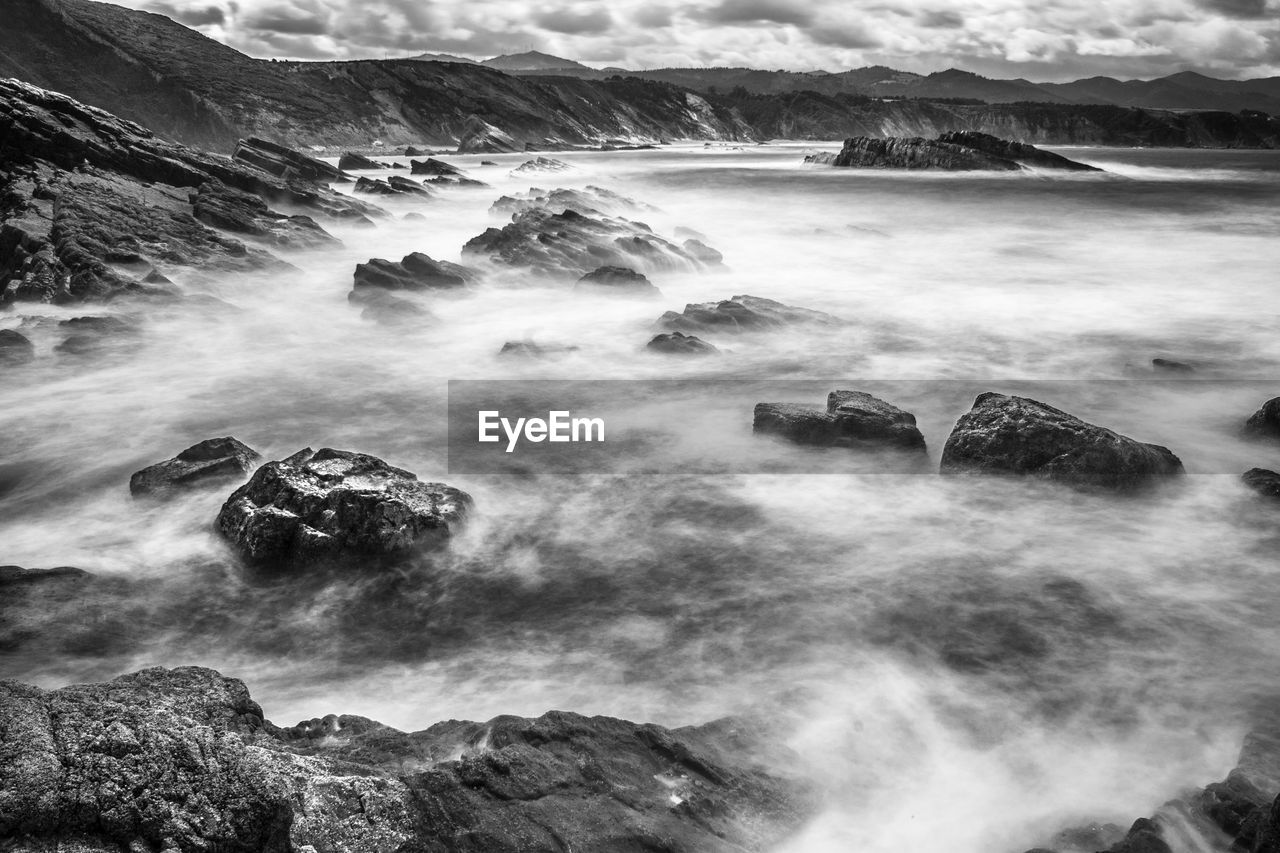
[
  {"x": 480, "y": 137},
  {"x": 590, "y": 201},
  {"x": 373, "y": 186},
  {"x": 410, "y": 151},
  {"x": 617, "y": 280},
  {"x": 15, "y": 348},
  {"x": 851, "y": 419},
  {"x": 405, "y": 185},
  {"x": 488, "y": 163},
  {"x": 182, "y": 759},
  {"x": 210, "y": 461},
  {"x": 284, "y": 162},
  {"x": 92, "y": 205},
  {"x": 434, "y": 167},
  {"x": 742, "y": 314},
  {"x": 335, "y": 506},
  {"x": 415, "y": 271},
  {"x": 531, "y": 349},
  {"x": 352, "y": 162},
  {"x": 957, "y": 151},
  {"x": 1016, "y": 435},
  {"x": 570, "y": 243},
  {"x": 1164, "y": 365},
  {"x": 1262, "y": 481},
  {"x": 540, "y": 166},
  {"x": 676, "y": 343},
  {"x": 1265, "y": 423},
  {"x": 92, "y": 336}
]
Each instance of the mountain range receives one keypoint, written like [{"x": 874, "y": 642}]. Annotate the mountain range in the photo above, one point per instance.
[{"x": 186, "y": 87}]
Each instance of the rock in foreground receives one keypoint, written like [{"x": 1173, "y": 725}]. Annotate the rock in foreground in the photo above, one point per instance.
[
  {"x": 210, "y": 461},
  {"x": 851, "y": 419},
  {"x": 1016, "y": 435},
  {"x": 678, "y": 343},
  {"x": 953, "y": 152},
  {"x": 416, "y": 271},
  {"x": 182, "y": 759},
  {"x": 1262, "y": 481},
  {"x": 742, "y": 314},
  {"x": 333, "y": 507},
  {"x": 1265, "y": 423}
]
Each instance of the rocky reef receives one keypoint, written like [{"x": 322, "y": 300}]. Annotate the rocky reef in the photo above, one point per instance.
[
  {"x": 742, "y": 314},
  {"x": 957, "y": 151},
  {"x": 183, "y": 759}
]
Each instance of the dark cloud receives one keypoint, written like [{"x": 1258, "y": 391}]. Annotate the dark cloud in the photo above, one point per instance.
[
  {"x": 1243, "y": 9},
  {"x": 942, "y": 20},
  {"x": 574, "y": 23},
  {"x": 758, "y": 11},
  {"x": 288, "y": 20},
  {"x": 653, "y": 16},
  {"x": 848, "y": 36},
  {"x": 192, "y": 16}
]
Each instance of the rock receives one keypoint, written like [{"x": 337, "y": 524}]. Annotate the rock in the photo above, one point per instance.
[
  {"x": 14, "y": 575},
  {"x": 379, "y": 306},
  {"x": 1016, "y": 435},
  {"x": 480, "y": 137},
  {"x": 1164, "y": 365},
  {"x": 540, "y": 166},
  {"x": 15, "y": 348},
  {"x": 617, "y": 280},
  {"x": 183, "y": 759},
  {"x": 210, "y": 461},
  {"x": 94, "y": 205},
  {"x": 1262, "y": 481},
  {"x": 703, "y": 252},
  {"x": 410, "y": 151},
  {"x": 434, "y": 167},
  {"x": 335, "y": 506},
  {"x": 1265, "y": 423},
  {"x": 415, "y": 271},
  {"x": 851, "y": 419},
  {"x": 569, "y": 243},
  {"x": 676, "y": 343},
  {"x": 958, "y": 151},
  {"x": 405, "y": 185},
  {"x": 590, "y": 201},
  {"x": 742, "y": 314},
  {"x": 352, "y": 162},
  {"x": 488, "y": 163},
  {"x": 531, "y": 349},
  {"x": 284, "y": 162},
  {"x": 94, "y": 336},
  {"x": 371, "y": 186}
]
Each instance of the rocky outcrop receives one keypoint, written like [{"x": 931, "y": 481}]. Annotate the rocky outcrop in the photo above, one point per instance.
[
  {"x": 852, "y": 419},
  {"x": 212, "y": 461},
  {"x": 677, "y": 343},
  {"x": 954, "y": 152},
  {"x": 572, "y": 244},
  {"x": 284, "y": 162},
  {"x": 335, "y": 507},
  {"x": 1016, "y": 435},
  {"x": 352, "y": 162},
  {"x": 94, "y": 206},
  {"x": 616, "y": 281},
  {"x": 1265, "y": 423},
  {"x": 1262, "y": 481},
  {"x": 540, "y": 166},
  {"x": 372, "y": 186},
  {"x": 183, "y": 759},
  {"x": 416, "y": 271},
  {"x": 405, "y": 185},
  {"x": 15, "y": 348},
  {"x": 589, "y": 201},
  {"x": 742, "y": 314},
  {"x": 480, "y": 137},
  {"x": 435, "y": 168}
]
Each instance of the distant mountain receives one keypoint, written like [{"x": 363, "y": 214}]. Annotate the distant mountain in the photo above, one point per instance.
[
  {"x": 533, "y": 60},
  {"x": 443, "y": 57}
]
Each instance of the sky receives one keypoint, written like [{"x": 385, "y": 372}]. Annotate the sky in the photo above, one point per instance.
[{"x": 1043, "y": 41}]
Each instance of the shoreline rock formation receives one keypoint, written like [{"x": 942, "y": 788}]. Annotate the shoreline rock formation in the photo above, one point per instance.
[
  {"x": 852, "y": 419},
  {"x": 742, "y": 314},
  {"x": 957, "y": 151},
  {"x": 184, "y": 759}
]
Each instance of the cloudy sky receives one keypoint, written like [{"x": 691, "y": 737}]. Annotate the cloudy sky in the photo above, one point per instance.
[{"x": 1038, "y": 39}]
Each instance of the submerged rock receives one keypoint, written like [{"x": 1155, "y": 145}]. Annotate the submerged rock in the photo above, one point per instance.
[
  {"x": 1016, "y": 435},
  {"x": 677, "y": 343},
  {"x": 1165, "y": 365},
  {"x": 589, "y": 201},
  {"x": 91, "y": 336},
  {"x": 851, "y": 419},
  {"x": 183, "y": 759},
  {"x": 957, "y": 151},
  {"x": 211, "y": 461},
  {"x": 742, "y": 314},
  {"x": 352, "y": 162},
  {"x": 379, "y": 306},
  {"x": 1262, "y": 481},
  {"x": 15, "y": 348},
  {"x": 1265, "y": 423},
  {"x": 416, "y": 271},
  {"x": 334, "y": 506},
  {"x": 617, "y": 280},
  {"x": 540, "y": 166},
  {"x": 532, "y": 349}
]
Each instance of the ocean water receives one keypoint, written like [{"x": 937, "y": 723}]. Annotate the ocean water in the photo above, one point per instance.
[{"x": 960, "y": 664}]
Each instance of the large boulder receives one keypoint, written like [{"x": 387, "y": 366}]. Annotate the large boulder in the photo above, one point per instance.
[
  {"x": 334, "y": 507},
  {"x": 211, "y": 461},
  {"x": 742, "y": 314},
  {"x": 183, "y": 759},
  {"x": 433, "y": 167},
  {"x": 615, "y": 281},
  {"x": 678, "y": 343},
  {"x": 1265, "y": 423},
  {"x": 1263, "y": 481},
  {"x": 1016, "y": 435},
  {"x": 416, "y": 271},
  {"x": 953, "y": 152},
  {"x": 15, "y": 348},
  {"x": 851, "y": 419},
  {"x": 353, "y": 162}
]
